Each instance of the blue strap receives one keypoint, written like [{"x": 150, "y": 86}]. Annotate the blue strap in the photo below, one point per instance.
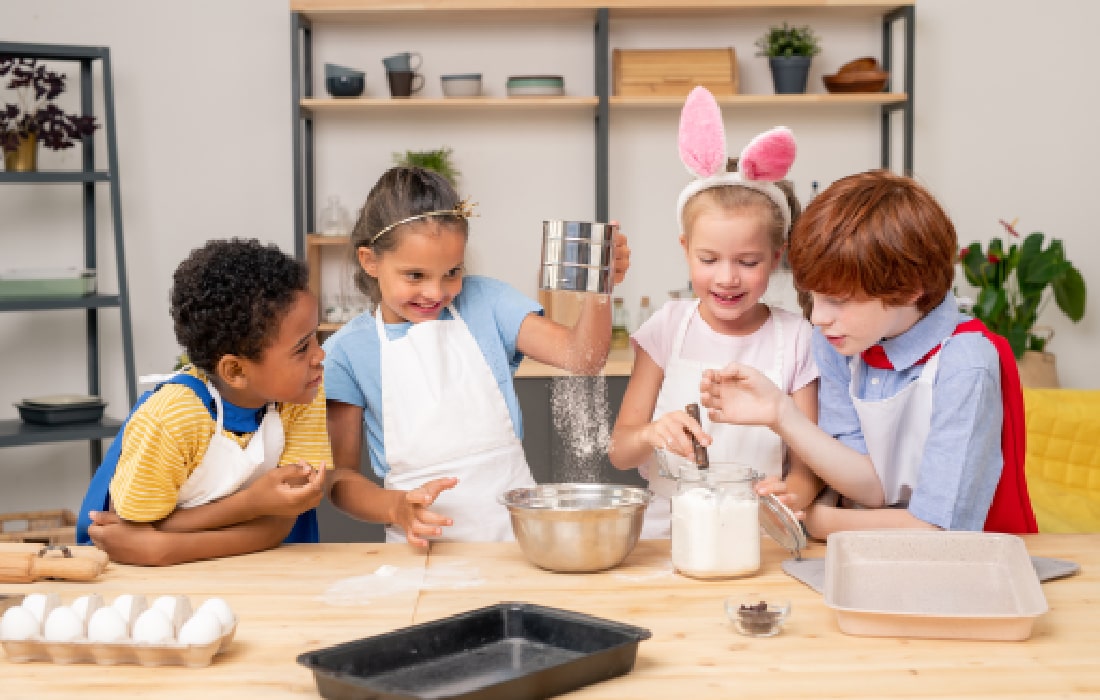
[{"x": 98, "y": 497}]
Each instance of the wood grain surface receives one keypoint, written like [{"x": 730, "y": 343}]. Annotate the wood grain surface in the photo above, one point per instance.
[{"x": 280, "y": 599}]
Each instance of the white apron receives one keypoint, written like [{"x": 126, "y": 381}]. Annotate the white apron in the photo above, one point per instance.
[
  {"x": 226, "y": 467},
  {"x": 444, "y": 415},
  {"x": 895, "y": 430},
  {"x": 754, "y": 445}
]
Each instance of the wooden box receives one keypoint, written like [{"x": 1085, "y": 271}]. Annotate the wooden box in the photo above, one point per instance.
[
  {"x": 40, "y": 527},
  {"x": 673, "y": 72}
]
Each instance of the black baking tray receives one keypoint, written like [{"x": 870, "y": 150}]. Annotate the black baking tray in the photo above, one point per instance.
[
  {"x": 507, "y": 651},
  {"x": 60, "y": 415}
]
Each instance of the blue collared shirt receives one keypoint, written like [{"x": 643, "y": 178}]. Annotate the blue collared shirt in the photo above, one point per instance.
[{"x": 962, "y": 459}]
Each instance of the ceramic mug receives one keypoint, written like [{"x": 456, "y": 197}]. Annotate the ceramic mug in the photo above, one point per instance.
[
  {"x": 402, "y": 62},
  {"x": 403, "y": 83}
]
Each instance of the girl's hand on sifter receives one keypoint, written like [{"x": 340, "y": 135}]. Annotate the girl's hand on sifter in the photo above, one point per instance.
[
  {"x": 288, "y": 490},
  {"x": 673, "y": 431},
  {"x": 413, "y": 516},
  {"x": 620, "y": 255},
  {"x": 741, "y": 395}
]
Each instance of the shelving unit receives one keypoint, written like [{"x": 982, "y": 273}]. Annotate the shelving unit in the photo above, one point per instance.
[
  {"x": 305, "y": 14},
  {"x": 16, "y": 432}
]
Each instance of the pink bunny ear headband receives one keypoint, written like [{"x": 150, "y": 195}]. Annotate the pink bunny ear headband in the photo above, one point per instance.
[{"x": 767, "y": 158}]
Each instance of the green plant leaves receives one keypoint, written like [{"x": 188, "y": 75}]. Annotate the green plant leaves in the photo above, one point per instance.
[
  {"x": 1012, "y": 285},
  {"x": 788, "y": 41}
]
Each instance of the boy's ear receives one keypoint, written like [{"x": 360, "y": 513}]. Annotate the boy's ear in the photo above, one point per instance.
[
  {"x": 230, "y": 369},
  {"x": 368, "y": 261}
]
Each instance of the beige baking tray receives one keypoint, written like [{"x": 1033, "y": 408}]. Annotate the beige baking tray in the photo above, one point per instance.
[{"x": 932, "y": 584}]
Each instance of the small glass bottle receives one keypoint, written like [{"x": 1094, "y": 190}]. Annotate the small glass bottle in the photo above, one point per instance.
[
  {"x": 334, "y": 218},
  {"x": 644, "y": 311},
  {"x": 620, "y": 325},
  {"x": 716, "y": 522}
]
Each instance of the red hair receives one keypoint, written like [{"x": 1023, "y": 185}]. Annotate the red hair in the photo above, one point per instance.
[{"x": 879, "y": 235}]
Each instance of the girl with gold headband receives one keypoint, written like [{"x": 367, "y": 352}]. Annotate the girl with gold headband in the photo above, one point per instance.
[{"x": 427, "y": 376}]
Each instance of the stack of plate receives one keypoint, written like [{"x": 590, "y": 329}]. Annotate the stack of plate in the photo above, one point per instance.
[
  {"x": 61, "y": 408},
  {"x": 536, "y": 86}
]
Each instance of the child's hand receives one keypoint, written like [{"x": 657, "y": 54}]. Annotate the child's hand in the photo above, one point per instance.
[
  {"x": 123, "y": 541},
  {"x": 776, "y": 486},
  {"x": 673, "y": 432},
  {"x": 412, "y": 514},
  {"x": 288, "y": 490},
  {"x": 742, "y": 395},
  {"x": 620, "y": 256}
]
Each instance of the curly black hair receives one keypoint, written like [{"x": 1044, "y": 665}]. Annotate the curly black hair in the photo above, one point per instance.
[{"x": 229, "y": 296}]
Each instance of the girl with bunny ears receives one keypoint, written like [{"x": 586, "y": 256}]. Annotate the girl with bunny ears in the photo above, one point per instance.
[{"x": 733, "y": 228}]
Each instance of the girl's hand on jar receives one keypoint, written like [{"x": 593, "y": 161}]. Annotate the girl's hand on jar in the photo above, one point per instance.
[
  {"x": 672, "y": 432},
  {"x": 777, "y": 487}
]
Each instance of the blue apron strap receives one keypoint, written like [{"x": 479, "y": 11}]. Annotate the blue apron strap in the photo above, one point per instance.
[{"x": 97, "y": 497}]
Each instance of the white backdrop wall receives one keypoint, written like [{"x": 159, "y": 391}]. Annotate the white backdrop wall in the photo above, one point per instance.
[{"x": 1003, "y": 130}]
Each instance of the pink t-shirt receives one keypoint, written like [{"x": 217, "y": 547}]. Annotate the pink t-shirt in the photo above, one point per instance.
[{"x": 702, "y": 343}]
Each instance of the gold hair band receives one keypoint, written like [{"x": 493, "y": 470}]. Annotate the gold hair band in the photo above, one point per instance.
[{"x": 464, "y": 209}]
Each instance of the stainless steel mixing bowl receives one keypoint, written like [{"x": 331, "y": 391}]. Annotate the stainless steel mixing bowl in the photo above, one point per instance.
[{"x": 577, "y": 527}]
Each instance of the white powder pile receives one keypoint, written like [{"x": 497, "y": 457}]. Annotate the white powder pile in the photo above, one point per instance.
[
  {"x": 579, "y": 409},
  {"x": 390, "y": 580}
]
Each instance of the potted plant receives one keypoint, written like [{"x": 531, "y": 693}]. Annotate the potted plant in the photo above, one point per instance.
[
  {"x": 1015, "y": 285},
  {"x": 438, "y": 160},
  {"x": 790, "y": 51},
  {"x": 35, "y": 117}
]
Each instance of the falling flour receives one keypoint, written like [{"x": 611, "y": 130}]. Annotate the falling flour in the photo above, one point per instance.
[{"x": 578, "y": 407}]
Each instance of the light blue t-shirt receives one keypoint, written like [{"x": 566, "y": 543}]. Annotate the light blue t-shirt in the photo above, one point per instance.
[
  {"x": 962, "y": 459},
  {"x": 492, "y": 310}
]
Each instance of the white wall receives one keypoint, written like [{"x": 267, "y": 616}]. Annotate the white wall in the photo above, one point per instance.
[{"x": 1003, "y": 112}]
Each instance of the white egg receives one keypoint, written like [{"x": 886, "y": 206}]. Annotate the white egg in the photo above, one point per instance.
[
  {"x": 203, "y": 628},
  {"x": 19, "y": 624},
  {"x": 130, "y": 606},
  {"x": 222, "y": 611},
  {"x": 63, "y": 625},
  {"x": 86, "y": 605},
  {"x": 40, "y": 604},
  {"x": 107, "y": 625},
  {"x": 176, "y": 607},
  {"x": 153, "y": 627}
]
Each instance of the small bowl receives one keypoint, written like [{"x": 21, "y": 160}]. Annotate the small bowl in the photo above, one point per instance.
[
  {"x": 864, "y": 63},
  {"x": 345, "y": 85},
  {"x": 856, "y": 81},
  {"x": 461, "y": 85},
  {"x": 334, "y": 70},
  {"x": 577, "y": 528},
  {"x": 757, "y": 618}
]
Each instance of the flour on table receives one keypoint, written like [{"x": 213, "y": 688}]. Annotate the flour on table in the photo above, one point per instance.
[
  {"x": 665, "y": 569},
  {"x": 390, "y": 580}
]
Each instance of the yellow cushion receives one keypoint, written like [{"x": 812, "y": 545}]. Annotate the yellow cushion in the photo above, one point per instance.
[{"x": 1063, "y": 458}]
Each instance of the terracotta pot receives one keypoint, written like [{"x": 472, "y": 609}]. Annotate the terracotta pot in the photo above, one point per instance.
[
  {"x": 24, "y": 159},
  {"x": 1038, "y": 370}
]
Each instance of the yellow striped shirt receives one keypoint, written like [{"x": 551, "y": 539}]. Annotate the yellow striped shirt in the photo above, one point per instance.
[{"x": 166, "y": 438}]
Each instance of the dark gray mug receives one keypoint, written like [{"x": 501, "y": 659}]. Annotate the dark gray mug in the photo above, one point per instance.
[{"x": 403, "y": 83}]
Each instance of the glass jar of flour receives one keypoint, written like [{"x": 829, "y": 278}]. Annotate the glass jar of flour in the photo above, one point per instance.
[{"x": 716, "y": 521}]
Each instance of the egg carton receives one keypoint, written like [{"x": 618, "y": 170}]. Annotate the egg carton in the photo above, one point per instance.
[{"x": 129, "y": 630}]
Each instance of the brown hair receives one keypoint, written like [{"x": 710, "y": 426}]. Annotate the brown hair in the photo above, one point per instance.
[
  {"x": 732, "y": 198},
  {"x": 401, "y": 192},
  {"x": 876, "y": 234}
]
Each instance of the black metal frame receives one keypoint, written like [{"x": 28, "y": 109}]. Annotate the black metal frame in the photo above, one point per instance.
[
  {"x": 906, "y": 15},
  {"x": 14, "y": 432}
]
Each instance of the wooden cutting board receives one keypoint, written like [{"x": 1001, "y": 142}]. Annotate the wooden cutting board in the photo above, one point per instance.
[{"x": 27, "y": 563}]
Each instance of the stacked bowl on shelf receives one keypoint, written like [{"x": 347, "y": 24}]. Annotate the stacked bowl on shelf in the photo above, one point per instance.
[
  {"x": 535, "y": 86},
  {"x": 859, "y": 75}
]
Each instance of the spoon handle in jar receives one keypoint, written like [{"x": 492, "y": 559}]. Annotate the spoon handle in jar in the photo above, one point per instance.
[{"x": 701, "y": 458}]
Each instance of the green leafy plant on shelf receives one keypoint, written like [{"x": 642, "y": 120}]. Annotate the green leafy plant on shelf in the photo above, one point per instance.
[
  {"x": 1015, "y": 285},
  {"x": 788, "y": 41},
  {"x": 440, "y": 160}
]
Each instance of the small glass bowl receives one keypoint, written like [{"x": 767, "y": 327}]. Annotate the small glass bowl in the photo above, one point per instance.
[{"x": 757, "y": 618}]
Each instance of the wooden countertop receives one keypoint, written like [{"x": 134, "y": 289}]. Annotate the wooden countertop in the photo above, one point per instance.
[
  {"x": 280, "y": 597},
  {"x": 620, "y": 362}
]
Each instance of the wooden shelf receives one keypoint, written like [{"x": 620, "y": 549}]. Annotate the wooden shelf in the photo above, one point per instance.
[
  {"x": 318, "y": 105},
  {"x": 803, "y": 100}
]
